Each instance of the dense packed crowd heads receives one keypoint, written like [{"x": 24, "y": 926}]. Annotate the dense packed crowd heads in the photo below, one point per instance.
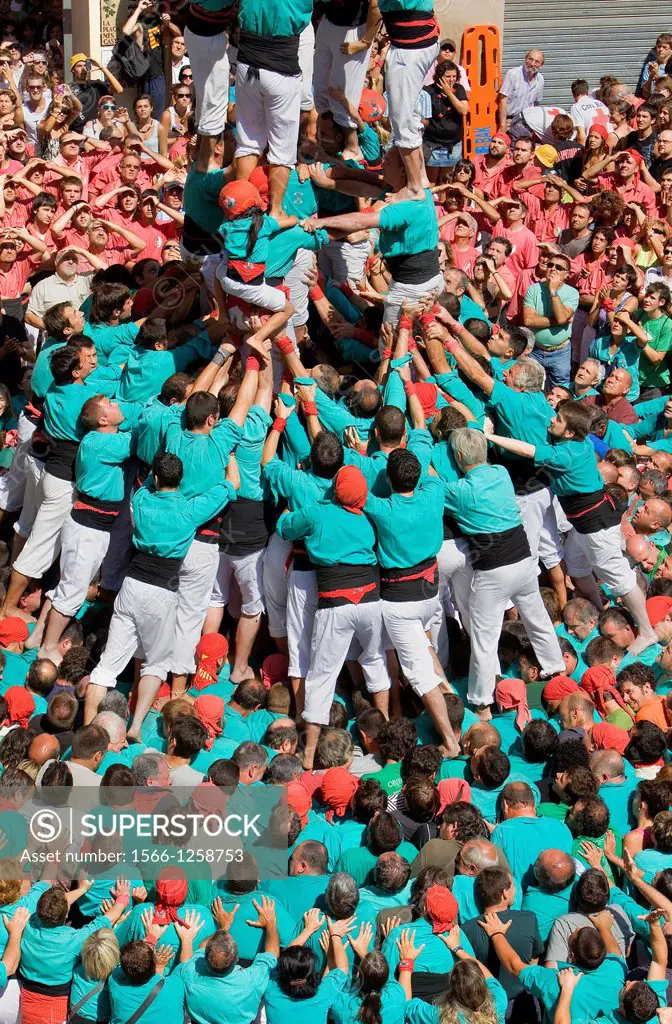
[{"x": 336, "y": 462}]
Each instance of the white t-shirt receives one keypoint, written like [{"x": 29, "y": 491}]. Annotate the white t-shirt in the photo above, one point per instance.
[{"x": 586, "y": 110}]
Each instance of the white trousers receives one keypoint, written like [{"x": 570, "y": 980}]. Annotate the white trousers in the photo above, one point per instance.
[
  {"x": 491, "y": 592},
  {"x": 344, "y": 261},
  {"x": 275, "y": 584},
  {"x": 455, "y": 575},
  {"x": 537, "y": 511},
  {"x": 82, "y": 552},
  {"x": 196, "y": 579},
  {"x": 143, "y": 619},
  {"x": 405, "y": 73},
  {"x": 335, "y": 70},
  {"x": 398, "y": 293},
  {"x": 247, "y": 570},
  {"x": 306, "y": 61},
  {"x": 333, "y": 632},
  {"x": 268, "y": 111},
  {"x": 600, "y": 552},
  {"x": 54, "y": 500},
  {"x": 298, "y": 289},
  {"x": 301, "y": 608},
  {"x": 208, "y": 56},
  {"x": 13, "y": 482},
  {"x": 9, "y": 1003},
  {"x": 406, "y": 624}
]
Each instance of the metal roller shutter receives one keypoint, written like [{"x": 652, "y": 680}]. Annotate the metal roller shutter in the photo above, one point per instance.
[{"x": 583, "y": 39}]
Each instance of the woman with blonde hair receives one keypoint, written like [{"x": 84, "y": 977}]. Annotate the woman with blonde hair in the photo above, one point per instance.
[{"x": 89, "y": 998}]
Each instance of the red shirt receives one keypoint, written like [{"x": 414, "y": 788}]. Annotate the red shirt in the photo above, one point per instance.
[
  {"x": 108, "y": 180},
  {"x": 525, "y": 254},
  {"x": 13, "y": 281},
  {"x": 522, "y": 282},
  {"x": 635, "y": 191},
  {"x": 619, "y": 411},
  {"x": 154, "y": 239},
  {"x": 16, "y": 217},
  {"x": 590, "y": 282},
  {"x": 465, "y": 258},
  {"x": 508, "y": 178},
  {"x": 486, "y": 178},
  {"x": 546, "y": 225}
]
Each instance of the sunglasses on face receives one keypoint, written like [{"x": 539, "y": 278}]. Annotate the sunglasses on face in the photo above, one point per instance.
[
  {"x": 109, "y": 106},
  {"x": 183, "y": 95},
  {"x": 557, "y": 266},
  {"x": 187, "y": 76}
]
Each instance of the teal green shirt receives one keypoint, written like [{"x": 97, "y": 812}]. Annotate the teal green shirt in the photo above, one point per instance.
[
  {"x": 165, "y": 521},
  {"x": 125, "y": 998},
  {"x": 538, "y": 298},
  {"x": 523, "y": 839},
  {"x": 284, "y": 245},
  {"x": 250, "y": 940},
  {"x": 298, "y": 893},
  {"x": 409, "y": 528},
  {"x": 332, "y": 535},
  {"x": 360, "y": 862},
  {"x": 99, "y": 470},
  {"x": 597, "y": 992},
  {"x": 249, "y": 452},
  {"x": 435, "y": 958},
  {"x": 420, "y": 1012},
  {"x": 42, "y": 378},
  {"x": 147, "y": 370},
  {"x": 297, "y": 486},
  {"x": 483, "y": 501},
  {"x": 547, "y": 906},
  {"x": 625, "y": 357},
  {"x": 133, "y": 928},
  {"x": 63, "y": 403},
  {"x": 280, "y": 1008},
  {"x": 153, "y": 423},
  {"x": 236, "y": 994},
  {"x": 521, "y": 414},
  {"x": 29, "y": 901},
  {"x": 204, "y": 456},
  {"x": 97, "y": 1007},
  {"x": 299, "y": 198},
  {"x": 286, "y": 19},
  {"x": 236, "y": 233},
  {"x": 51, "y": 953},
  {"x": 202, "y": 188},
  {"x": 113, "y": 341},
  {"x": 571, "y": 466},
  {"x": 393, "y": 1005},
  {"x": 409, "y": 227}
]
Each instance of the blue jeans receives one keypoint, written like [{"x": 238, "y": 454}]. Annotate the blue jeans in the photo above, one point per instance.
[{"x": 556, "y": 363}]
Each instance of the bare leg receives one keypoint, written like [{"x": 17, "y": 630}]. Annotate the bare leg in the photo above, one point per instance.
[
  {"x": 281, "y": 643},
  {"x": 56, "y": 624},
  {"x": 18, "y": 544},
  {"x": 245, "y": 165},
  {"x": 587, "y": 585},
  {"x": 308, "y": 125},
  {"x": 213, "y": 619},
  {"x": 178, "y": 686},
  {"x": 17, "y": 584},
  {"x": 205, "y": 149},
  {"x": 381, "y": 700},
  {"x": 414, "y": 165},
  {"x": 246, "y": 634},
  {"x": 277, "y": 178},
  {"x": 635, "y": 602},
  {"x": 312, "y": 736},
  {"x": 436, "y": 706},
  {"x": 148, "y": 687},
  {"x": 94, "y": 695},
  {"x": 298, "y": 685},
  {"x": 556, "y": 576},
  {"x": 394, "y": 670}
]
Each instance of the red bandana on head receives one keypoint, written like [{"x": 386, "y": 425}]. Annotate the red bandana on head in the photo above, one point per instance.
[
  {"x": 442, "y": 908},
  {"x": 598, "y": 682},
  {"x": 559, "y": 688},
  {"x": 171, "y": 892},
  {"x": 210, "y": 710},
  {"x": 606, "y": 736},
  {"x": 20, "y": 706},
  {"x": 338, "y": 788},
  {"x": 510, "y": 694},
  {"x": 209, "y": 650},
  {"x": 350, "y": 489}
]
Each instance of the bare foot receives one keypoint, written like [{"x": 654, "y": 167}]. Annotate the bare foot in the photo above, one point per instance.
[
  {"x": 51, "y": 653},
  {"x": 484, "y": 713},
  {"x": 641, "y": 642},
  {"x": 133, "y": 737}
]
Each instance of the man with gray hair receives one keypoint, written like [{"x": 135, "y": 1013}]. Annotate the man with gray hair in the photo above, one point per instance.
[
  {"x": 475, "y": 855},
  {"x": 118, "y": 751},
  {"x": 483, "y": 503},
  {"x": 522, "y": 411}
]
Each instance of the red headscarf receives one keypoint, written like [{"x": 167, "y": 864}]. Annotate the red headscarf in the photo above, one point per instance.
[
  {"x": 13, "y": 630},
  {"x": 442, "y": 908},
  {"x": 171, "y": 891},
  {"x": 657, "y": 608},
  {"x": 451, "y": 790},
  {"x": 259, "y": 178},
  {"x": 372, "y": 106},
  {"x": 512, "y": 693},
  {"x": 598, "y": 681},
  {"x": 338, "y": 788},
  {"x": 20, "y": 706},
  {"x": 559, "y": 688},
  {"x": 208, "y": 798},
  {"x": 274, "y": 669},
  {"x": 350, "y": 489},
  {"x": 210, "y": 648},
  {"x": 299, "y": 800},
  {"x": 606, "y": 736},
  {"x": 210, "y": 710}
]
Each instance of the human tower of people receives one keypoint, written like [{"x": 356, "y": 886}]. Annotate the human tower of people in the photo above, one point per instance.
[{"x": 337, "y": 463}]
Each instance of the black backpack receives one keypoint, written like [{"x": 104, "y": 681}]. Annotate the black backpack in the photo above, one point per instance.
[{"x": 129, "y": 62}]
